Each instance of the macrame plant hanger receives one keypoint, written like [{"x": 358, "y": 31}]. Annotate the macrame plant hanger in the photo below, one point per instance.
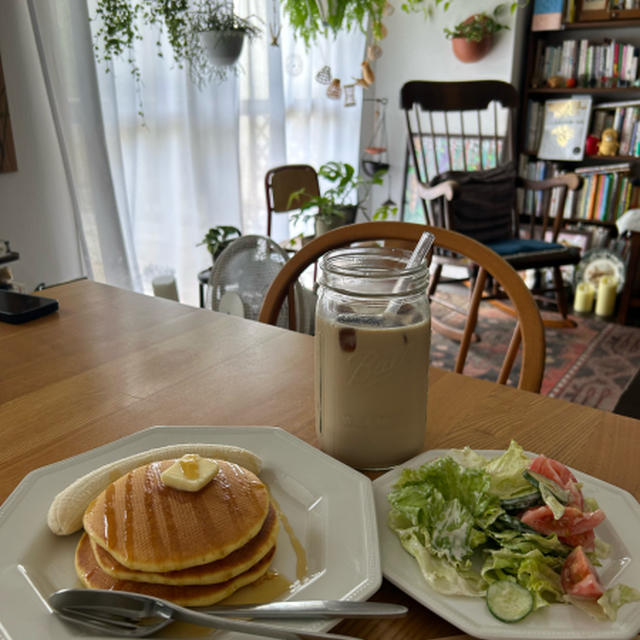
[{"x": 375, "y": 153}]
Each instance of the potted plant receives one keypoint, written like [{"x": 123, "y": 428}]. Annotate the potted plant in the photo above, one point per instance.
[
  {"x": 472, "y": 38},
  {"x": 219, "y": 238},
  {"x": 333, "y": 208},
  {"x": 183, "y": 21},
  {"x": 312, "y": 19},
  {"x": 222, "y": 32}
]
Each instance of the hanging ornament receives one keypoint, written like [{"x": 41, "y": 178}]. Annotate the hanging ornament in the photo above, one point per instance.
[
  {"x": 383, "y": 32},
  {"x": 323, "y": 10},
  {"x": 334, "y": 90},
  {"x": 349, "y": 95},
  {"x": 367, "y": 74},
  {"x": 294, "y": 65},
  {"x": 324, "y": 75},
  {"x": 374, "y": 51},
  {"x": 274, "y": 25},
  {"x": 388, "y": 9}
]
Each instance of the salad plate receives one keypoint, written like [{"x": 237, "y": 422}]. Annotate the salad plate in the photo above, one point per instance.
[
  {"x": 555, "y": 622},
  {"x": 327, "y": 505}
]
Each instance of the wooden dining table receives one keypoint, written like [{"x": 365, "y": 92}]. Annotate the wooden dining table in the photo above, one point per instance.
[{"x": 111, "y": 362}]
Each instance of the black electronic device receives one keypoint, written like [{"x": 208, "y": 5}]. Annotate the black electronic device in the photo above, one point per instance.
[{"x": 16, "y": 308}]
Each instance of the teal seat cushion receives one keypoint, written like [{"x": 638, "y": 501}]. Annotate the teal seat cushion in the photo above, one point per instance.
[{"x": 516, "y": 245}]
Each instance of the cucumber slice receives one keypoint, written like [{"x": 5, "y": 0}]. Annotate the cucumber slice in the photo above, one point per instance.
[
  {"x": 508, "y": 601},
  {"x": 538, "y": 480},
  {"x": 521, "y": 502}
]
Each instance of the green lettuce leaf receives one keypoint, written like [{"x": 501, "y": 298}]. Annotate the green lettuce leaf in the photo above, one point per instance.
[
  {"x": 612, "y": 599},
  {"x": 439, "y": 573},
  {"x": 450, "y": 502},
  {"x": 506, "y": 470},
  {"x": 533, "y": 570}
]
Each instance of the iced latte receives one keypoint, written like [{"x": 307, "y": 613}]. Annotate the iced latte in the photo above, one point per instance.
[{"x": 371, "y": 389}]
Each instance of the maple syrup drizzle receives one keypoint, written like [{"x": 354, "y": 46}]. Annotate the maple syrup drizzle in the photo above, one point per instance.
[
  {"x": 128, "y": 517},
  {"x": 302, "y": 568},
  {"x": 110, "y": 529}
]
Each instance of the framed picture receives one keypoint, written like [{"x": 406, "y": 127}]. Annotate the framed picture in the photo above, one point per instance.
[
  {"x": 7, "y": 150},
  {"x": 595, "y": 5}
]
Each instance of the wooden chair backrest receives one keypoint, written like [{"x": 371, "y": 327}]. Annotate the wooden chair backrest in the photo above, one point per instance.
[
  {"x": 448, "y": 122},
  {"x": 528, "y": 331},
  {"x": 281, "y": 182}
]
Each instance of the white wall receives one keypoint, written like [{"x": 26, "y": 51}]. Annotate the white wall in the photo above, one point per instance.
[
  {"x": 36, "y": 213},
  {"x": 416, "y": 49}
]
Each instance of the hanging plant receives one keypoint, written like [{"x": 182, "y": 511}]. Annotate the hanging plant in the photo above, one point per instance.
[
  {"x": 472, "y": 38},
  {"x": 311, "y": 19},
  {"x": 467, "y": 27},
  {"x": 120, "y": 21}
]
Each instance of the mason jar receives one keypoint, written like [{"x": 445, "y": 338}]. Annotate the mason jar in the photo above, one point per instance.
[{"x": 373, "y": 335}]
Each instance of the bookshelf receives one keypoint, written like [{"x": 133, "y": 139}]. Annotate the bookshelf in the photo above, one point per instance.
[{"x": 594, "y": 54}]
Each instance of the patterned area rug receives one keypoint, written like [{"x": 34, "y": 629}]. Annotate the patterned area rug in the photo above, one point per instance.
[{"x": 590, "y": 364}]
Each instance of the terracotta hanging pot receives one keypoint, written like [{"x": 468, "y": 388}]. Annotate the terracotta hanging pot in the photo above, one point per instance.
[
  {"x": 469, "y": 50},
  {"x": 472, "y": 50}
]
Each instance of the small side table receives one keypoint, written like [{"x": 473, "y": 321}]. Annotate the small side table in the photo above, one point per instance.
[{"x": 630, "y": 295}]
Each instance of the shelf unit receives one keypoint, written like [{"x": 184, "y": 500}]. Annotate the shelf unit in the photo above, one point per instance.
[
  {"x": 603, "y": 26},
  {"x": 619, "y": 25}
]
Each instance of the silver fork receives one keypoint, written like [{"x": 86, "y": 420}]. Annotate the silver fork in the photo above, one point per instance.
[{"x": 137, "y": 616}]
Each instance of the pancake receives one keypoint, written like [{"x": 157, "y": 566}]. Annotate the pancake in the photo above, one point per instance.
[
  {"x": 214, "y": 572},
  {"x": 148, "y": 526},
  {"x": 93, "y": 577}
]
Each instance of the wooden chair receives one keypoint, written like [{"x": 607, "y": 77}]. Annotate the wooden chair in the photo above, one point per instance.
[
  {"x": 528, "y": 331},
  {"x": 462, "y": 148},
  {"x": 282, "y": 181}
]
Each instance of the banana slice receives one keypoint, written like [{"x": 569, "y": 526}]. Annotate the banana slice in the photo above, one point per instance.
[{"x": 68, "y": 507}]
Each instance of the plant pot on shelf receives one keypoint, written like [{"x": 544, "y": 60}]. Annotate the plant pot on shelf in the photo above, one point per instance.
[
  {"x": 346, "y": 215},
  {"x": 470, "y": 50},
  {"x": 223, "y": 47}
]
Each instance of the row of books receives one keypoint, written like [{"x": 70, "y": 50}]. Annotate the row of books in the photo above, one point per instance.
[
  {"x": 606, "y": 193},
  {"x": 530, "y": 202},
  {"x": 587, "y": 64},
  {"x": 624, "y": 117}
]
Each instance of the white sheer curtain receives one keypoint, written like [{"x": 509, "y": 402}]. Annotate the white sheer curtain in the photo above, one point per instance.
[
  {"x": 286, "y": 116},
  {"x": 149, "y": 189},
  {"x": 61, "y": 31}
]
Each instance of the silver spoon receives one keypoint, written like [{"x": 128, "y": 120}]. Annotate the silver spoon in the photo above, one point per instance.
[{"x": 137, "y": 616}]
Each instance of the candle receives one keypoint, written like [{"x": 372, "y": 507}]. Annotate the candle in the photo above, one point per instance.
[
  {"x": 606, "y": 298},
  {"x": 583, "y": 300}
]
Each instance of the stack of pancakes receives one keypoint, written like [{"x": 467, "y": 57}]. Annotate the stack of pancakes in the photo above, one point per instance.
[{"x": 193, "y": 548}]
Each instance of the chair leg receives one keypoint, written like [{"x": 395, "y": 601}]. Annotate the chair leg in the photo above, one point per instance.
[
  {"x": 510, "y": 358},
  {"x": 472, "y": 319},
  {"x": 437, "y": 325},
  {"x": 561, "y": 297}
]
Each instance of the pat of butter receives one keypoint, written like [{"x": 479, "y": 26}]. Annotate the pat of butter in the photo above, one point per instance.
[{"x": 190, "y": 473}]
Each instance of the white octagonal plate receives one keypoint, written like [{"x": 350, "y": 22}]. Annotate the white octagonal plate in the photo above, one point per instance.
[
  {"x": 621, "y": 530},
  {"x": 328, "y": 505}
]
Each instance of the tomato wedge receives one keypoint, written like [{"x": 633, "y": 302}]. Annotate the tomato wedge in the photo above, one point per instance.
[
  {"x": 573, "y": 521},
  {"x": 586, "y": 540},
  {"x": 578, "y": 577},
  {"x": 561, "y": 475}
]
